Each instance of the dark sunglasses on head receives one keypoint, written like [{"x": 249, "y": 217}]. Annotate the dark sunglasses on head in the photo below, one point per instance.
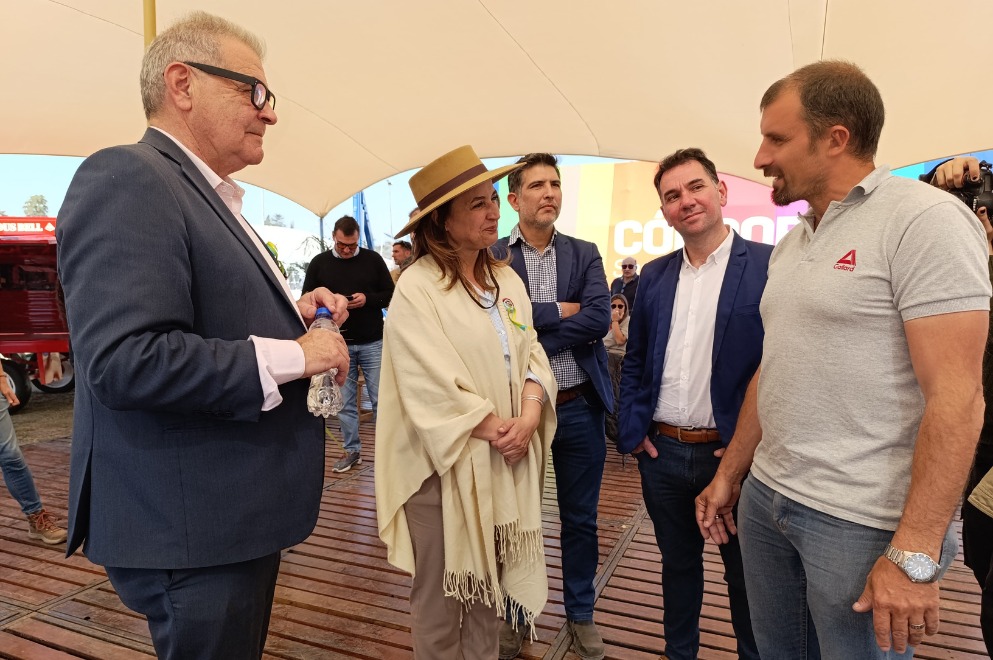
[
  {"x": 259, "y": 92},
  {"x": 616, "y": 305}
]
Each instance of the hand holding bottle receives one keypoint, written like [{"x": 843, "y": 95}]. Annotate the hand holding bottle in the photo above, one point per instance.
[{"x": 326, "y": 358}]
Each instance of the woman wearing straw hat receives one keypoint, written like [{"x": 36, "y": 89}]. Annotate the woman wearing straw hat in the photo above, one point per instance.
[{"x": 466, "y": 420}]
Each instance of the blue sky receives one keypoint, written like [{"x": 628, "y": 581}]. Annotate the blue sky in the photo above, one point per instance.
[
  {"x": 24, "y": 176},
  {"x": 388, "y": 201}
]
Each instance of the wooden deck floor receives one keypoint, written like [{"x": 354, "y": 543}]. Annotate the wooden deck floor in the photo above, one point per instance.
[{"x": 338, "y": 598}]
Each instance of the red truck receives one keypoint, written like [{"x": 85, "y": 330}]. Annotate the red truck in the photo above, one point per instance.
[{"x": 32, "y": 313}]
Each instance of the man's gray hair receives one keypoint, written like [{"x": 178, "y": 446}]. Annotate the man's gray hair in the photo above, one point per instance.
[{"x": 193, "y": 38}]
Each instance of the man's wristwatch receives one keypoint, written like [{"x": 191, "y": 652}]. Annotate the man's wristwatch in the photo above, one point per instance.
[{"x": 918, "y": 566}]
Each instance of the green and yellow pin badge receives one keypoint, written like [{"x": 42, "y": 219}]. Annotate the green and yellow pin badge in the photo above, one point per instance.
[
  {"x": 275, "y": 256},
  {"x": 508, "y": 304}
]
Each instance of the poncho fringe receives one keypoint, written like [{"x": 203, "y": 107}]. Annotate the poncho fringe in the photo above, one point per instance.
[
  {"x": 513, "y": 545},
  {"x": 468, "y": 589}
]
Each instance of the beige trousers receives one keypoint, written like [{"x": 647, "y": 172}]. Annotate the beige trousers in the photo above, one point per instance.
[{"x": 435, "y": 625}]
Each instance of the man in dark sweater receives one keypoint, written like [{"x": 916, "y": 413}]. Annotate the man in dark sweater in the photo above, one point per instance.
[
  {"x": 361, "y": 276},
  {"x": 627, "y": 283}
]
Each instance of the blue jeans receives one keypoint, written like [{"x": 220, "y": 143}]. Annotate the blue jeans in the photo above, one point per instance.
[
  {"x": 579, "y": 450},
  {"x": 16, "y": 473},
  {"x": 804, "y": 569},
  {"x": 369, "y": 357},
  {"x": 670, "y": 483}
]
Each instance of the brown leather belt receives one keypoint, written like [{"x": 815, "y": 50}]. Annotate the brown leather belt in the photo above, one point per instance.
[
  {"x": 692, "y": 436},
  {"x": 574, "y": 392}
]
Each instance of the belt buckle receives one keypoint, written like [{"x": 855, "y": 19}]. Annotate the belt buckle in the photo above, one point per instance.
[{"x": 679, "y": 432}]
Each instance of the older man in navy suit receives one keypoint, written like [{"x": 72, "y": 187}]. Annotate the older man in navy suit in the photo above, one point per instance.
[
  {"x": 571, "y": 304},
  {"x": 194, "y": 459},
  {"x": 694, "y": 343}
]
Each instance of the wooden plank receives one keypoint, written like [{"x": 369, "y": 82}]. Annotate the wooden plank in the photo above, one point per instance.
[
  {"x": 84, "y": 611},
  {"x": 19, "y": 648},
  {"x": 70, "y": 576},
  {"x": 337, "y": 597},
  {"x": 9, "y": 612},
  {"x": 47, "y": 634}
]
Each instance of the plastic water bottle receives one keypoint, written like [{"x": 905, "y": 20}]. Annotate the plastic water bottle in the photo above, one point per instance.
[{"x": 324, "y": 397}]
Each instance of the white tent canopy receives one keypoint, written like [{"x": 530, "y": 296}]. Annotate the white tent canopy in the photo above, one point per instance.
[{"x": 370, "y": 88}]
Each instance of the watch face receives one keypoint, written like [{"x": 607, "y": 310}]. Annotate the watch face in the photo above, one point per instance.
[{"x": 919, "y": 567}]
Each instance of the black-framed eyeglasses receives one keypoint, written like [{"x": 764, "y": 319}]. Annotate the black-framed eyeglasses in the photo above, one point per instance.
[
  {"x": 260, "y": 93},
  {"x": 625, "y": 267},
  {"x": 345, "y": 246},
  {"x": 617, "y": 306}
]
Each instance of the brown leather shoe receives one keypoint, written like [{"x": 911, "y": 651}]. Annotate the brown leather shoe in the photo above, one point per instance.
[
  {"x": 42, "y": 526},
  {"x": 586, "y": 641},
  {"x": 511, "y": 640}
]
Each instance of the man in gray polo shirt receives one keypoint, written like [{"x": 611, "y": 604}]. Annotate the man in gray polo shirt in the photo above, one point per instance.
[{"x": 868, "y": 402}]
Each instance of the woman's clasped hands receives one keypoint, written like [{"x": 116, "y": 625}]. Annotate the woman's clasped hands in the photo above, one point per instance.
[{"x": 514, "y": 435}]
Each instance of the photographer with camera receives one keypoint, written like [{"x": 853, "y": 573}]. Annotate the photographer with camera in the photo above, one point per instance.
[{"x": 972, "y": 181}]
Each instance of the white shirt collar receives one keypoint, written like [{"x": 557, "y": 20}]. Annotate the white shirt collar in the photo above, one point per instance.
[
  {"x": 720, "y": 253},
  {"x": 229, "y": 191}
]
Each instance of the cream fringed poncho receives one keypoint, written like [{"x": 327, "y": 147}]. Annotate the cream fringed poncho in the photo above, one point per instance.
[{"x": 443, "y": 372}]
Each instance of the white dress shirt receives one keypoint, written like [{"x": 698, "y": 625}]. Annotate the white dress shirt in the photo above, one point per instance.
[
  {"x": 684, "y": 397},
  {"x": 279, "y": 360}
]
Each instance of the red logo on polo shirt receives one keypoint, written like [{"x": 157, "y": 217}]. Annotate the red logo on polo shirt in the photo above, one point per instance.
[{"x": 847, "y": 262}]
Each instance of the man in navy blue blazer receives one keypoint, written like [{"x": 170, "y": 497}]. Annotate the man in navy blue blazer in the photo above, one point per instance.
[
  {"x": 571, "y": 303},
  {"x": 194, "y": 459},
  {"x": 694, "y": 344}
]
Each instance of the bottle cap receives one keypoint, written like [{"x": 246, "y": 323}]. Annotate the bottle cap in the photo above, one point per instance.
[{"x": 323, "y": 311}]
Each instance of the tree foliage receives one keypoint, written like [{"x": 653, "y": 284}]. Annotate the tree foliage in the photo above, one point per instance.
[{"x": 36, "y": 205}]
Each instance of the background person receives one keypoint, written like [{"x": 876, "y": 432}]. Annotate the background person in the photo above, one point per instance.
[
  {"x": 615, "y": 341},
  {"x": 568, "y": 290},
  {"x": 402, "y": 257},
  {"x": 462, "y": 444},
  {"x": 194, "y": 459},
  {"x": 627, "y": 283},
  {"x": 362, "y": 277},
  {"x": 17, "y": 475},
  {"x": 977, "y": 526}
]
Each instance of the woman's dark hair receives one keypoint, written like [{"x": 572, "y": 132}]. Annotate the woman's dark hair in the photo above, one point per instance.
[{"x": 432, "y": 239}]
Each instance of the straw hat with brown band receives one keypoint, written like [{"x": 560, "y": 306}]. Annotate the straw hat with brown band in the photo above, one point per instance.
[{"x": 447, "y": 177}]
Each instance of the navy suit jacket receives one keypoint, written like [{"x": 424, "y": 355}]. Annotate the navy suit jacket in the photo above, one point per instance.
[
  {"x": 581, "y": 279},
  {"x": 737, "y": 348},
  {"x": 173, "y": 463}
]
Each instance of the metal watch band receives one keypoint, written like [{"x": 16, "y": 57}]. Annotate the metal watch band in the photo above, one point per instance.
[{"x": 898, "y": 557}]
